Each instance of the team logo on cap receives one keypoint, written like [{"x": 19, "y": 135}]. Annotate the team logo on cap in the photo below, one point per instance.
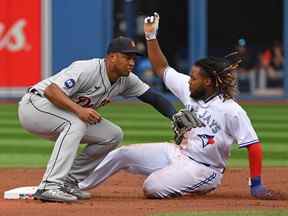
[
  {"x": 132, "y": 44},
  {"x": 206, "y": 139},
  {"x": 70, "y": 83}
]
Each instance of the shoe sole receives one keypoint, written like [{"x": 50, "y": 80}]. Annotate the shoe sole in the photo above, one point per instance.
[{"x": 54, "y": 200}]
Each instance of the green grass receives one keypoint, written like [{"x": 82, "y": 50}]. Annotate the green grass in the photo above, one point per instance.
[
  {"x": 239, "y": 213},
  {"x": 141, "y": 123}
]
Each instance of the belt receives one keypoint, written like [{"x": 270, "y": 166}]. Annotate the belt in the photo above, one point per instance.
[
  {"x": 34, "y": 91},
  {"x": 209, "y": 165}
]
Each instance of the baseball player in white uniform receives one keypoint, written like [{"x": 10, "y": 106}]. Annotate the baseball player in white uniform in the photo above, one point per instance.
[
  {"x": 62, "y": 108},
  {"x": 198, "y": 163}
]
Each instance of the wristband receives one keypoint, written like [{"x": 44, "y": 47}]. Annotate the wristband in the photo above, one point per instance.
[
  {"x": 150, "y": 35},
  {"x": 255, "y": 181}
]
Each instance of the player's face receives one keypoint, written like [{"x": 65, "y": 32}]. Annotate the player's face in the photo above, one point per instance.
[
  {"x": 196, "y": 84},
  {"x": 125, "y": 63}
]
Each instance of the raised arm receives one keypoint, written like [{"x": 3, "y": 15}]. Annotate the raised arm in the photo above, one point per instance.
[
  {"x": 257, "y": 189},
  {"x": 155, "y": 54}
]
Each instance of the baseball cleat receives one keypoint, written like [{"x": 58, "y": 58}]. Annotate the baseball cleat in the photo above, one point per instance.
[
  {"x": 54, "y": 195},
  {"x": 72, "y": 188}
]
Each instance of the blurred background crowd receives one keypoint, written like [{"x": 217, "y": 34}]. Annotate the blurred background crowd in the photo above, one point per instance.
[
  {"x": 43, "y": 36},
  {"x": 261, "y": 71}
]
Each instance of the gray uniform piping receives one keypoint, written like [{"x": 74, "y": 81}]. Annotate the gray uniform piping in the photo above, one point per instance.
[
  {"x": 102, "y": 79},
  {"x": 39, "y": 110},
  {"x": 112, "y": 87}
]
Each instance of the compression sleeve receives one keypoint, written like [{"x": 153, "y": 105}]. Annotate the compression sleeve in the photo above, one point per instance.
[
  {"x": 255, "y": 159},
  {"x": 159, "y": 102}
]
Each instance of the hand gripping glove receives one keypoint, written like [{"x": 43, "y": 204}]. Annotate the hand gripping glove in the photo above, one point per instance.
[
  {"x": 151, "y": 24},
  {"x": 182, "y": 122}
]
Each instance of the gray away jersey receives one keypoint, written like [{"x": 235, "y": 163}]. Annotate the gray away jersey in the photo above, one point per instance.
[{"x": 86, "y": 83}]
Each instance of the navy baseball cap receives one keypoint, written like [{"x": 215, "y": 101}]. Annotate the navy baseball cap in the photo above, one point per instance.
[{"x": 123, "y": 45}]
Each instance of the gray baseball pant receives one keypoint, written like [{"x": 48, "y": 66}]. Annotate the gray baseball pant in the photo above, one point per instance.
[{"x": 39, "y": 116}]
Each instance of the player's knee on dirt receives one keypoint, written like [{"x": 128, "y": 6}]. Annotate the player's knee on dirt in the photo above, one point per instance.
[{"x": 154, "y": 189}]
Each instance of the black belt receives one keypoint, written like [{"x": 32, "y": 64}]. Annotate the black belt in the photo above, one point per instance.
[
  {"x": 208, "y": 165},
  {"x": 34, "y": 91}
]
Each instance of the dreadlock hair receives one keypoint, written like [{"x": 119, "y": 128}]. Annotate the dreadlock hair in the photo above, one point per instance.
[{"x": 222, "y": 71}]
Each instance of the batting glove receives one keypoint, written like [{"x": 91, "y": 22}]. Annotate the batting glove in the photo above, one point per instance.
[
  {"x": 258, "y": 190},
  {"x": 151, "y": 25}
]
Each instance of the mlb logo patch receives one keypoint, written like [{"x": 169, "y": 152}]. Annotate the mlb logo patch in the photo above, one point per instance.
[{"x": 70, "y": 83}]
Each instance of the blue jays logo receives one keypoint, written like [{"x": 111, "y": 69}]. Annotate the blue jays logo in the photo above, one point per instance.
[{"x": 206, "y": 139}]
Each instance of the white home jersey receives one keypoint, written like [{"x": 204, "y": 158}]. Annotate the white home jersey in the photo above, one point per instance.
[
  {"x": 86, "y": 83},
  {"x": 226, "y": 123}
]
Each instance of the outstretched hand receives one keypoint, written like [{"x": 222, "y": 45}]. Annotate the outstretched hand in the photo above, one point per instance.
[
  {"x": 261, "y": 192},
  {"x": 151, "y": 25}
]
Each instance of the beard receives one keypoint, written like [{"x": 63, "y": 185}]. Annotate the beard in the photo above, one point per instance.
[{"x": 199, "y": 94}]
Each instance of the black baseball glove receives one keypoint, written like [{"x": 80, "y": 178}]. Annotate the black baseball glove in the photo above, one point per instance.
[{"x": 183, "y": 121}]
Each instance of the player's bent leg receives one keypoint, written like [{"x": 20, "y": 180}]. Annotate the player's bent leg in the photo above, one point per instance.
[
  {"x": 40, "y": 117},
  {"x": 64, "y": 153},
  {"x": 138, "y": 158},
  {"x": 182, "y": 177},
  {"x": 101, "y": 139},
  {"x": 83, "y": 165},
  {"x": 103, "y": 132}
]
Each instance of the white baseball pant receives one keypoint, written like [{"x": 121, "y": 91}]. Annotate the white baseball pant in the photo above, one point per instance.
[{"x": 170, "y": 172}]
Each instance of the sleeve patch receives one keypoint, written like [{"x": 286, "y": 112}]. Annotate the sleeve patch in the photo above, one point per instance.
[{"x": 70, "y": 83}]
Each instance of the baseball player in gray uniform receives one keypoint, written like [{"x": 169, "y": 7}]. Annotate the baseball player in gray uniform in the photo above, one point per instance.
[
  {"x": 197, "y": 164},
  {"x": 63, "y": 108}
]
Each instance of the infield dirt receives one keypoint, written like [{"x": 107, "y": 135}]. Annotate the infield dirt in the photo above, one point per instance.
[{"x": 122, "y": 195}]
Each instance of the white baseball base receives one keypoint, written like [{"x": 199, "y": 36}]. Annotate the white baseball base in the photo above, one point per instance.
[{"x": 20, "y": 193}]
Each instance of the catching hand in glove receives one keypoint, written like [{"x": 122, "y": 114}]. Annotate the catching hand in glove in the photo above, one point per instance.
[{"x": 182, "y": 122}]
